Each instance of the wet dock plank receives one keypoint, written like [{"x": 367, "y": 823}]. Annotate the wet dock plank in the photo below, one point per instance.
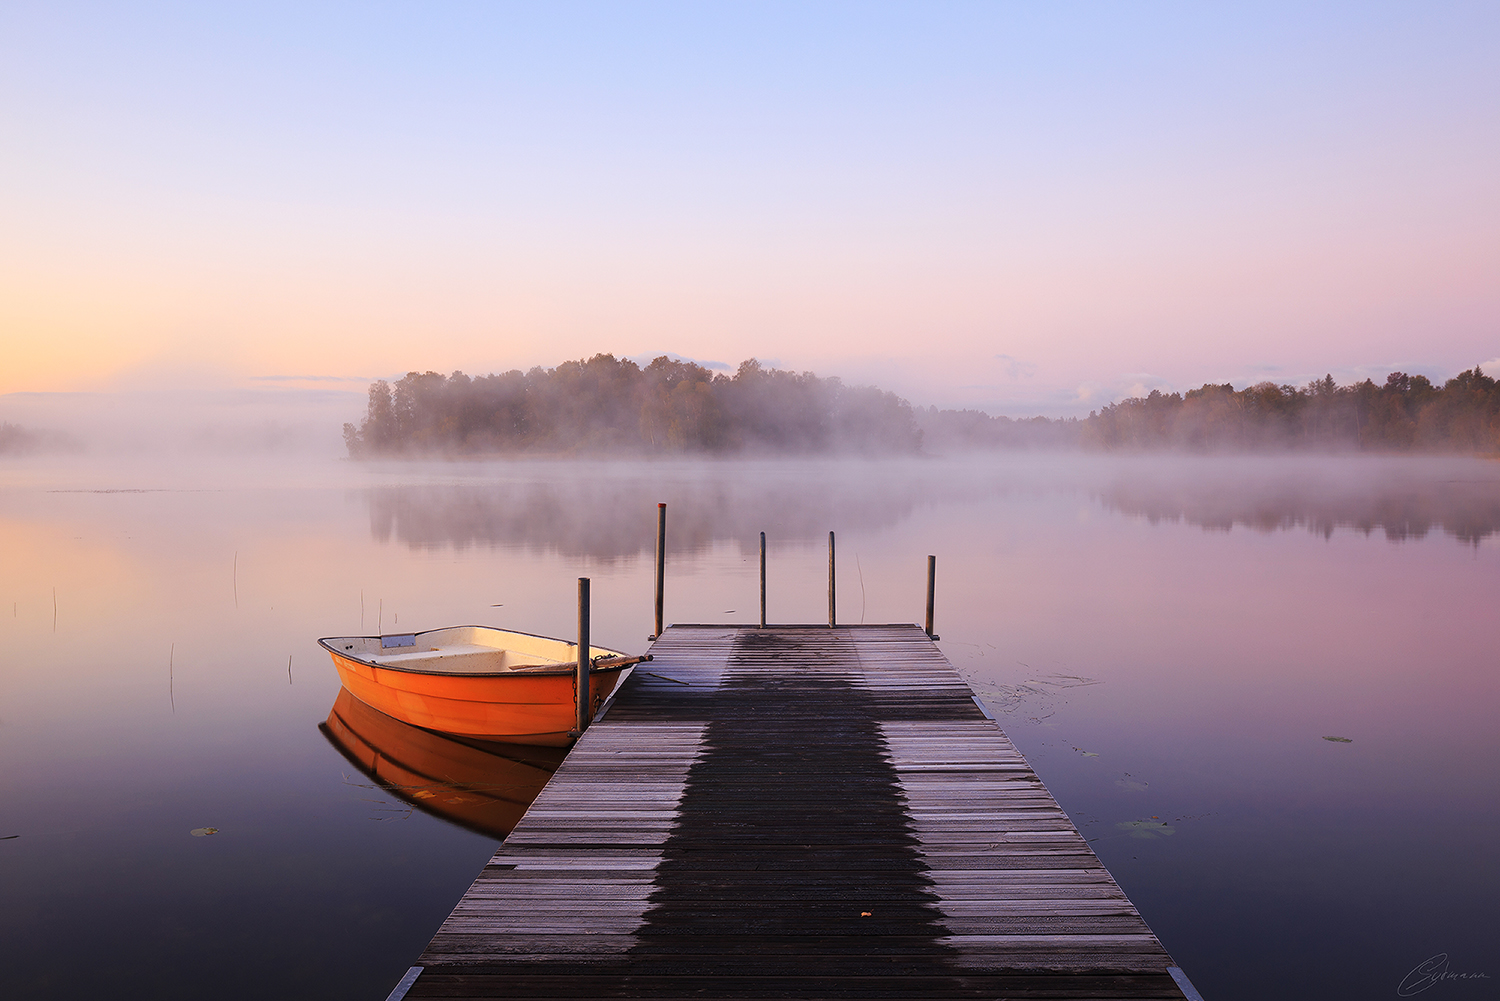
[{"x": 795, "y": 812}]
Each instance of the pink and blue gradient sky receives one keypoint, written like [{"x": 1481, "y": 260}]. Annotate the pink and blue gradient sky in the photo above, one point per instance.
[{"x": 1024, "y": 208}]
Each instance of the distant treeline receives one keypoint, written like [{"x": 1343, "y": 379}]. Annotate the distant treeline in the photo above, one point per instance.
[
  {"x": 1408, "y": 413},
  {"x": 16, "y": 439},
  {"x": 605, "y": 404},
  {"x": 966, "y": 430}
]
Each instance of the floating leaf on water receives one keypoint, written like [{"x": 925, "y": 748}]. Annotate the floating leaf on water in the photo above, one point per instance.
[
  {"x": 203, "y": 832},
  {"x": 1131, "y": 785},
  {"x": 1340, "y": 740},
  {"x": 1146, "y": 829}
]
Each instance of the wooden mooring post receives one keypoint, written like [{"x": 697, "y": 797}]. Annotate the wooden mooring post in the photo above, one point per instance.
[
  {"x": 661, "y": 565},
  {"x": 584, "y": 689},
  {"x": 763, "y": 580},
  {"x": 832, "y": 602},
  {"x": 931, "y": 591}
]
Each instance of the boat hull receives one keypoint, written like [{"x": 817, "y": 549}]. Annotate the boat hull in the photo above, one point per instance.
[{"x": 532, "y": 705}]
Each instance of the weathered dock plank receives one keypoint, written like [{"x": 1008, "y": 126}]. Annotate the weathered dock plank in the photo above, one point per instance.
[{"x": 795, "y": 812}]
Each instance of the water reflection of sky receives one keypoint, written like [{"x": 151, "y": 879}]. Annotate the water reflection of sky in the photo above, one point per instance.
[{"x": 1156, "y": 668}]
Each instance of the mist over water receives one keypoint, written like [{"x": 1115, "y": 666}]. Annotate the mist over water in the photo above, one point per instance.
[
  {"x": 1401, "y": 499},
  {"x": 1171, "y": 641},
  {"x": 186, "y": 419},
  {"x": 608, "y": 510},
  {"x": 605, "y": 510}
]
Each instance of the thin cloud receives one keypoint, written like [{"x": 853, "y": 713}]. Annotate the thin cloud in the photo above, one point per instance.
[
  {"x": 1017, "y": 368},
  {"x": 647, "y": 358},
  {"x": 310, "y": 378},
  {"x": 1141, "y": 384}
]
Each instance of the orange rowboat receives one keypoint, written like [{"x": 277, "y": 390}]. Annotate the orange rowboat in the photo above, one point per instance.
[{"x": 476, "y": 681}]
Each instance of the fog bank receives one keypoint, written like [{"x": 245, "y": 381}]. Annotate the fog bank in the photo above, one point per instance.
[{"x": 186, "y": 421}]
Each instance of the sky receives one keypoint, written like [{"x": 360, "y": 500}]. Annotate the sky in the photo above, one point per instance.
[{"x": 1024, "y": 208}]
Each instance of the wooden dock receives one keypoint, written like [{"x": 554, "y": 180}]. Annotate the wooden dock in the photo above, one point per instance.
[{"x": 795, "y": 812}]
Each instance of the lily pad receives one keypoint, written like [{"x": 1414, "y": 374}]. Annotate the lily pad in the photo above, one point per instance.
[{"x": 203, "y": 832}]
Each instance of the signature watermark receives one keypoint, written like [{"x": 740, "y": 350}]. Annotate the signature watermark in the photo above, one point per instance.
[{"x": 1432, "y": 971}]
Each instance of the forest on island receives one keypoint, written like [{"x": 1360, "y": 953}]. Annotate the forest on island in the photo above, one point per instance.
[{"x": 604, "y": 404}]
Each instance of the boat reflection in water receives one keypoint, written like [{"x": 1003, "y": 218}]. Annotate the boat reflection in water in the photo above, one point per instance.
[{"x": 480, "y": 785}]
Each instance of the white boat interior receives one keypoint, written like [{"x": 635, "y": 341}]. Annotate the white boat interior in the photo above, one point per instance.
[{"x": 460, "y": 650}]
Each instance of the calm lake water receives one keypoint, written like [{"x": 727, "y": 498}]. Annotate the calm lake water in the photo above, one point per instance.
[{"x": 1172, "y": 643}]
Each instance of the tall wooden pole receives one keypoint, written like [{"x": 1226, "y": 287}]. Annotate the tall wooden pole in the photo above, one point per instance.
[
  {"x": 763, "y": 580},
  {"x": 832, "y": 613},
  {"x": 931, "y": 591},
  {"x": 661, "y": 565},
  {"x": 585, "y": 698}
]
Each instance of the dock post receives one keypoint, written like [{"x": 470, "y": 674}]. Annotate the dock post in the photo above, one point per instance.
[
  {"x": 832, "y": 613},
  {"x": 661, "y": 565},
  {"x": 931, "y": 589},
  {"x": 763, "y": 580},
  {"x": 585, "y": 694}
]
